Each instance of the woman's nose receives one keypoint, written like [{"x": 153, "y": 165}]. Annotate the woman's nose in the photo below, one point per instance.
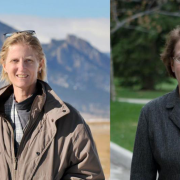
[{"x": 22, "y": 65}]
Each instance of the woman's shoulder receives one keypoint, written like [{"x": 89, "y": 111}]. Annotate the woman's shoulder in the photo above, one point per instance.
[
  {"x": 162, "y": 102},
  {"x": 53, "y": 100},
  {"x": 71, "y": 107},
  {"x": 74, "y": 121},
  {"x": 156, "y": 111},
  {"x": 74, "y": 113}
]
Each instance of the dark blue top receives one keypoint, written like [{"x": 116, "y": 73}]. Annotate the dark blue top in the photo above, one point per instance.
[{"x": 24, "y": 108}]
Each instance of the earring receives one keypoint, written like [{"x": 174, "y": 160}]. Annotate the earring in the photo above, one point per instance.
[{"x": 40, "y": 71}]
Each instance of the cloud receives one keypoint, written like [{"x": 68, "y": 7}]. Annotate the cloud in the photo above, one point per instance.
[{"x": 96, "y": 30}]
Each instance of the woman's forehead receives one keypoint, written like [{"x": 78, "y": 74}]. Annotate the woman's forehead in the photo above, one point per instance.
[
  {"x": 20, "y": 45},
  {"x": 21, "y": 49}
]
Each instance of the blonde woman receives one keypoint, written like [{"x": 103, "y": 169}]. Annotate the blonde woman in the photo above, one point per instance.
[{"x": 41, "y": 137}]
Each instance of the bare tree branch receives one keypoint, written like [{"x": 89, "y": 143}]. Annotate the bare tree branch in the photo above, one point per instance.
[
  {"x": 160, "y": 2},
  {"x": 122, "y": 23},
  {"x": 138, "y": 28},
  {"x": 175, "y": 14}
]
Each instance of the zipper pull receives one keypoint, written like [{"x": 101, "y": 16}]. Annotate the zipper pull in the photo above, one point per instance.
[{"x": 15, "y": 163}]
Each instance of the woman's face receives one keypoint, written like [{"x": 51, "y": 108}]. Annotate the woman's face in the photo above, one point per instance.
[{"x": 22, "y": 66}]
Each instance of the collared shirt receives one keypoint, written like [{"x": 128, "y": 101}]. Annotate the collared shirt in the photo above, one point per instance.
[
  {"x": 18, "y": 114},
  {"x": 23, "y": 108},
  {"x": 11, "y": 112}
]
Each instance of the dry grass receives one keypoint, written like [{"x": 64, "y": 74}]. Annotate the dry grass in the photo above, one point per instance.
[{"x": 101, "y": 135}]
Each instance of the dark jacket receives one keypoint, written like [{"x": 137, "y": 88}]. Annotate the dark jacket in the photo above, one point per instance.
[
  {"x": 57, "y": 143},
  {"x": 157, "y": 144}
]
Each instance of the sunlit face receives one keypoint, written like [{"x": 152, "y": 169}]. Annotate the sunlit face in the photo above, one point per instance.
[{"x": 22, "y": 66}]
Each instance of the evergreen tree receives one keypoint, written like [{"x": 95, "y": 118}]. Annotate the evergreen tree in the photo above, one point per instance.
[{"x": 138, "y": 34}]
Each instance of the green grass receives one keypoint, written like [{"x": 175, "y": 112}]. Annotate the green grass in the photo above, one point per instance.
[
  {"x": 124, "y": 116},
  {"x": 124, "y": 119},
  {"x": 167, "y": 86},
  {"x": 128, "y": 93},
  {"x": 161, "y": 89}
]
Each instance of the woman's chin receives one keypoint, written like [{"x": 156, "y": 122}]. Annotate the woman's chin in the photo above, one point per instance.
[{"x": 22, "y": 85}]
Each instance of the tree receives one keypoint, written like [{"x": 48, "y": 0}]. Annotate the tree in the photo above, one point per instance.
[
  {"x": 112, "y": 87},
  {"x": 138, "y": 32}
]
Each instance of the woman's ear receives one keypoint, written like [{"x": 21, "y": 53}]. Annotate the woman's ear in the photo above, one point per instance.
[{"x": 41, "y": 64}]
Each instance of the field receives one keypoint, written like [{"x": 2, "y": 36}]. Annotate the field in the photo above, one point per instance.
[
  {"x": 101, "y": 135},
  {"x": 124, "y": 119}
]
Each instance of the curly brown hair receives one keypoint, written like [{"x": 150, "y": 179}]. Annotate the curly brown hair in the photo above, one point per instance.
[{"x": 168, "y": 53}]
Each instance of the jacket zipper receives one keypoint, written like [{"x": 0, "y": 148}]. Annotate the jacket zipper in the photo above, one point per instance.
[
  {"x": 25, "y": 135},
  {"x": 27, "y": 129},
  {"x": 15, "y": 163}
]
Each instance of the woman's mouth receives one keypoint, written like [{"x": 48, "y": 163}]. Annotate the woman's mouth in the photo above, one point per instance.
[{"x": 22, "y": 75}]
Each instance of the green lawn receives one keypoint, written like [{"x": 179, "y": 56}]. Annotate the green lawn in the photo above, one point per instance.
[
  {"x": 124, "y": 116},
  {"x": 127, "y": 93},
  {"x": 161, "y": 89},
  {"x": 124, "y": 119}
]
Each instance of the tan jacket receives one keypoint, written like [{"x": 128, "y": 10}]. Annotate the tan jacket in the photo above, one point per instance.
[{"x": 57, "y": 143}]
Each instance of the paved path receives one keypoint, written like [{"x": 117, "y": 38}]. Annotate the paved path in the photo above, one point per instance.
[
  {"x": 136, "y": 101},
  {"x": 119, "y": 173},
  {"x": 120, "y": 162}
]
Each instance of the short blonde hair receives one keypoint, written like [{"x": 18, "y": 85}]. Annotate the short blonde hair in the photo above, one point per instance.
[{"x": 30, "y": 40}]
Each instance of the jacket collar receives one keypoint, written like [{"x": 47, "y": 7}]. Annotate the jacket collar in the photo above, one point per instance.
[
  {"x": 173, "y": 102},
  {"x": 5, "y": 92},
  {"x": 173, "y": 98},
  {"x": 53, "y": 106}
]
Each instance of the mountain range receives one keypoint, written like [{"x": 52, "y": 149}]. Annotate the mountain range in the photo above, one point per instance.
[{"x": 77, "y": 72}]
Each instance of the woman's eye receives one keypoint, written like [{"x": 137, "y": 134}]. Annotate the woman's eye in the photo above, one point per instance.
[
  {"x": 14, "y": 61},
  {"x": 29, "y": 60}
]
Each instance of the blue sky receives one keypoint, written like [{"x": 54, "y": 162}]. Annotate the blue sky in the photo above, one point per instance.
[
  {"x": 55, "y": 19},
  {"x": 58, "y": 8}
]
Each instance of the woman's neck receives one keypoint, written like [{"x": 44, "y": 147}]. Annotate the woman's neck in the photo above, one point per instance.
[{"x": 22, "y": 94}]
